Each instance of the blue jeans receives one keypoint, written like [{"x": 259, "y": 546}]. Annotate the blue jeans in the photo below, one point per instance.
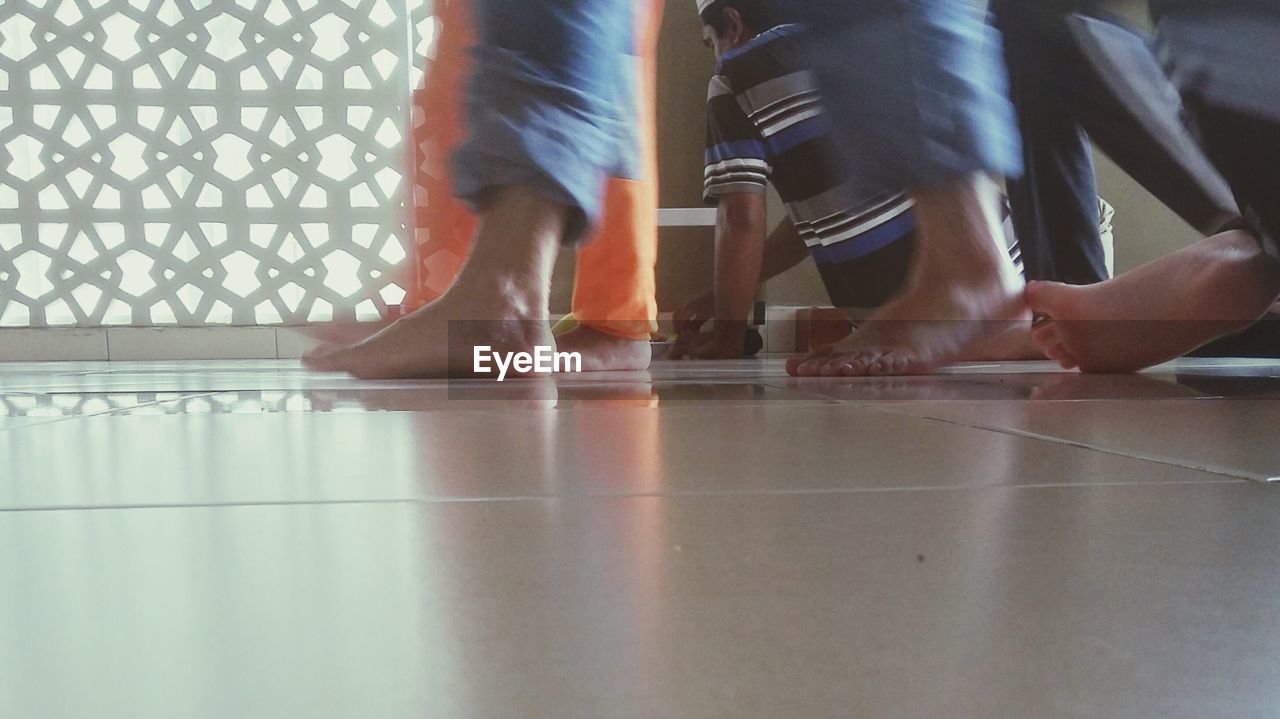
[
  {"x": 551, "y": 103},
  {"x": 917, "y": 88}
]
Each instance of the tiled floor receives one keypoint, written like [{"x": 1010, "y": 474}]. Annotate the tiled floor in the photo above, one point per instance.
[{"x": 244, "y": 539}]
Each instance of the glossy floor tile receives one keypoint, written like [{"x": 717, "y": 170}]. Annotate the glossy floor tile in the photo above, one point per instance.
[
  {"x": 1136, "y": 601},
  {"x": 281, "y": 457},
  {"x": 246, "y": 539},
  {"x": 1238, "y": 437}
]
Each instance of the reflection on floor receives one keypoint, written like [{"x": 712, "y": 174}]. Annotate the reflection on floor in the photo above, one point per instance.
[{"x": 216, "y": 539}]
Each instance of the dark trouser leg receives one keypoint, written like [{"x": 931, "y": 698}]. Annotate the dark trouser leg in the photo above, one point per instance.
[
  {"x": 1054, "y": 203},
  {"x": 1126, "y": 103},
  {"x": 1064, "y": 100},
  {"x": 1247, "y": 151}
]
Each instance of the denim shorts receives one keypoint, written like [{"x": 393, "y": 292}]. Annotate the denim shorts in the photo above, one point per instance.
[
  {"x": 917, "y": 89},
  {"x": 552, "y": 103}
]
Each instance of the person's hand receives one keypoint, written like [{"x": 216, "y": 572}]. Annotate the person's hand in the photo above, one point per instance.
[
  {"x": 696, "y": 312},
  {"x": 709, "y": 346}
]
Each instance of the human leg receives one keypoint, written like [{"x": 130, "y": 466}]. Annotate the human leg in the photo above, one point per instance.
[
  {"x": 615, "y": 294},
  {"x": 1054, "y": 203},
  {"x": 1178, "y": 303},
  {"x": 544, "y": 133},
  {"x": 962, "y": 294},
  {"x": 1214, "y": 54},
  {"x": 1125, "y": 102},
  {"x": 1159, "y": 311},
  {"x": 918, "y": 91}
]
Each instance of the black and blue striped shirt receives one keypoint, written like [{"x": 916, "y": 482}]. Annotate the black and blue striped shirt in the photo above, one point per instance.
[{"x": 766, "y": 124}]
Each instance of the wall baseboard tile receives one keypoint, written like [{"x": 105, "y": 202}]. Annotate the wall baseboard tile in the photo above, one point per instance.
[
  {"x": 183, "y": 343},
  {"x": 38, "y": 345}
]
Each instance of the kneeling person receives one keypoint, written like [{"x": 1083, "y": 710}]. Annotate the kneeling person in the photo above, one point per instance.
[{"x": 766, "y": 124}]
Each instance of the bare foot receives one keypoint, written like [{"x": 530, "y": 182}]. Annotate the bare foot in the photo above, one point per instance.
[
  {"x": 963, "y": 325},
  {"x": 603, "y": 352},
  {"x": 1159, "y": 311},
  {"x": 430, "y": 343},
  {"x": 962, "y": 292},
  {"x": 499, "y": 301},
  {"x": 1076, "y": 387},
  {"x": 1012, "y": 345}
]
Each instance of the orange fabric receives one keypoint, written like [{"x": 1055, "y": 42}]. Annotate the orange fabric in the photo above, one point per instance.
[
  {"x": 444, "y": 226},
  {"x": 614, "y": 287}
]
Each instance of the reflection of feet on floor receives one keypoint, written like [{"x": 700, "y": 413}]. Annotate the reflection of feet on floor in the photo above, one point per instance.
[
  {"x": 919, "y": 389},
  {"x": 602, "y": 352},
  {"x": 529, "y": 393},
  {"x": 632, "y": 388},
  {"x": 1159, "y": 311},
  {"x": 1126, "y": 386}
]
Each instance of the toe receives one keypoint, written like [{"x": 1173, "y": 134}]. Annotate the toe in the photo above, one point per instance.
[
  {"x": 897, "y": 363},
  {"x": 859, "y": 365},
  {"x": 1057, "y": 302},
  {"x": 1043, "y": 297},
  {"x": 835, "y": 367},
  {"x": 1059, "y": 353},
  {"x": 321, "y": 358},
  {"x": 811, "y": 367},
  {"x": 1045, "y": 333},
  {"x": 793, "y": 366},
  {"x": 880, "y": 366}
]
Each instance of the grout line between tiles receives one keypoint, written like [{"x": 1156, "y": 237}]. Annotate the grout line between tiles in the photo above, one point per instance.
[
  {"x": 1023, "y": 434},
  {"x": 618, "y": 495}
]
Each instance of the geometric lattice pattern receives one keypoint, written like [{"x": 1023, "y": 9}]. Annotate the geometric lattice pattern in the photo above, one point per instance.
[{"x": 196, "y": 162}]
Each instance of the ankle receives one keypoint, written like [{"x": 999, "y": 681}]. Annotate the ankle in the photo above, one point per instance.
[
  {"x": 525, "y": 299},
  {"x": 967, "y": 277}
]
